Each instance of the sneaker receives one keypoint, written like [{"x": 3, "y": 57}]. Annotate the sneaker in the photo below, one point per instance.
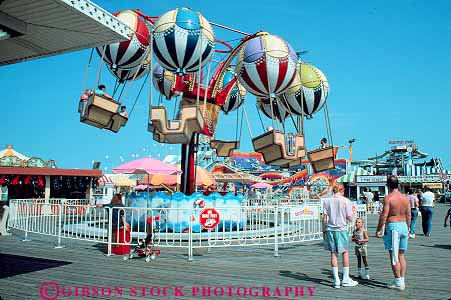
[
  {"x": 395, "y": 286},
  {"x": 337, "y": 284},
  {"x": 350, "y": 282},
  {"x": 366, "y": 276}
]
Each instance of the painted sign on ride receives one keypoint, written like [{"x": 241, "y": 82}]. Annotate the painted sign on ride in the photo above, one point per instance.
[
  {"x": 209, "y": 218},
  {"x": 300, "y": 213}
]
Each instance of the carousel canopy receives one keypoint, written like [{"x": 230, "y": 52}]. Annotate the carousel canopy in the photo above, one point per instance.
[
  {"x": 15, "y": 163},
  {"x": 9, "y": 152},
  {"x": 11, "y": 158}
]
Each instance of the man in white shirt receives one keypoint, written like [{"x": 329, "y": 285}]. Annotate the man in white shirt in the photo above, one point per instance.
[
  {"x": 426, "y": 205},
  {"x": 337, "y": 212},
  {"x": 369, "y": 196}
]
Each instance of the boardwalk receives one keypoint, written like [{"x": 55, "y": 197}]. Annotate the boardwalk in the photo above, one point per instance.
[{"x": 25, "y": 265}]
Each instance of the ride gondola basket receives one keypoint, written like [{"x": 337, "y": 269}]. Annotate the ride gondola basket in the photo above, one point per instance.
[{"x": 322, "y": 159}]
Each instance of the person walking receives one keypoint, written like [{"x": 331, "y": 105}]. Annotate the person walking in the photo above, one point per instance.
[
  {"x": 369, "y": 196},
  {"x": 395, "y": 217},
  {"x": 337, "y": 211},
  {"x": 414, "y": 203},
  {"x": 360, "y": 238},
  {"x": 426, "y": 205}
]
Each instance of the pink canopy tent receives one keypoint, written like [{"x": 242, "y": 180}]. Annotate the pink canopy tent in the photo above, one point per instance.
[
  {"x": 141, "y": 187},
  {"x": 261, "y": 185},
  {"x": 203, "y": 177},
  {"x": 146, "y": 165}
]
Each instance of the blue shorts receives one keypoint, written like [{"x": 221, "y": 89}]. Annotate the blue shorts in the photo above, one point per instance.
[
  {"x": 403, "y": 235},
  {"x": 336, "y": 241}
]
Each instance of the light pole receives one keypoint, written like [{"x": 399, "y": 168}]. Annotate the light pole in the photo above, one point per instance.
[{"x": 350, "y": 149}]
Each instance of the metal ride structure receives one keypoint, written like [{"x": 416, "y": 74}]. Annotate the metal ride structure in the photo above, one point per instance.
[{"x": 202, "y": 80}]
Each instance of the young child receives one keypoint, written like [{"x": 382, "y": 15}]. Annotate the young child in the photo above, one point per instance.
[{"x": 360, "y": 237}]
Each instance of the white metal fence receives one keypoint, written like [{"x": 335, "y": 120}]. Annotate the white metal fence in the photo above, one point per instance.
[{"x": 240, "y": 226}]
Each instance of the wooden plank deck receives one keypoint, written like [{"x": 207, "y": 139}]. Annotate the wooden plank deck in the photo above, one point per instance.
[{"x": 25, "y": 265}]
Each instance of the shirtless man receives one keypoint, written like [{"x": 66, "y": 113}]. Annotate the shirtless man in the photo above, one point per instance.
[{"x": 395, "y": 217}]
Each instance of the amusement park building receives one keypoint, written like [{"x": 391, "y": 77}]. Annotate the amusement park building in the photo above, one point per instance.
[
  {"x": 412, "y": 166},
  {"x": 23, "y": 177}
]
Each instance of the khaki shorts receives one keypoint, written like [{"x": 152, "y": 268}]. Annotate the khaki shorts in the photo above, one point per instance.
[{"x": 361, "y": 251}]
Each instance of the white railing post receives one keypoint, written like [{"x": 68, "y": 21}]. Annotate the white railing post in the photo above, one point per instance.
[
  {"x": 27, "y": 221},
  {"x": 110, "y": 229},
  {"x": 190, "y": 238},
  {"x": 60, "y": 225},
  {"x": 209, "y": 241},
  {"x": 4, "y": 221},
  {"x": 12, "y": 215},
  {"x": 276, "y": 234}
]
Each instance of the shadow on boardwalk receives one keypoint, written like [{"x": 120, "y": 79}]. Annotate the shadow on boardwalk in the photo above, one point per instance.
[{"x": 12, "y": 265}]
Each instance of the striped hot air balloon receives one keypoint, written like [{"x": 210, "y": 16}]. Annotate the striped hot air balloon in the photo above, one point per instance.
[
  {"x": 266, "y": 65},
  {"x": 164, "y": 81},
  {"x": 236, "y": 94},
  {"x": 278, "y": 112},
  {"x": 129, "y": 74},
  {"x": 128, "y": 54},
  {"x": 134, "y": 73},
  {"x": 312, "y": 86},
  {"x": 181, "y": 37}
]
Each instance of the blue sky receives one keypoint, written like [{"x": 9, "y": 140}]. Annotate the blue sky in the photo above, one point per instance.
[{"x": 387, "y": 63}]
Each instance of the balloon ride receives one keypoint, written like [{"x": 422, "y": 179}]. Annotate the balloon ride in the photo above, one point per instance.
[{"x": 201, "y": 77}]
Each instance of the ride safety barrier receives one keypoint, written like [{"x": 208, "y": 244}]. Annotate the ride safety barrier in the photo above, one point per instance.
[{"x": 184, "y": 228}]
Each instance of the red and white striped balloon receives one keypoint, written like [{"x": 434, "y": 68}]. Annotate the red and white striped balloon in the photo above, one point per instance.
[
  {"x": 128, "y": 54},
  {"x": 266, "y": 65}
]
